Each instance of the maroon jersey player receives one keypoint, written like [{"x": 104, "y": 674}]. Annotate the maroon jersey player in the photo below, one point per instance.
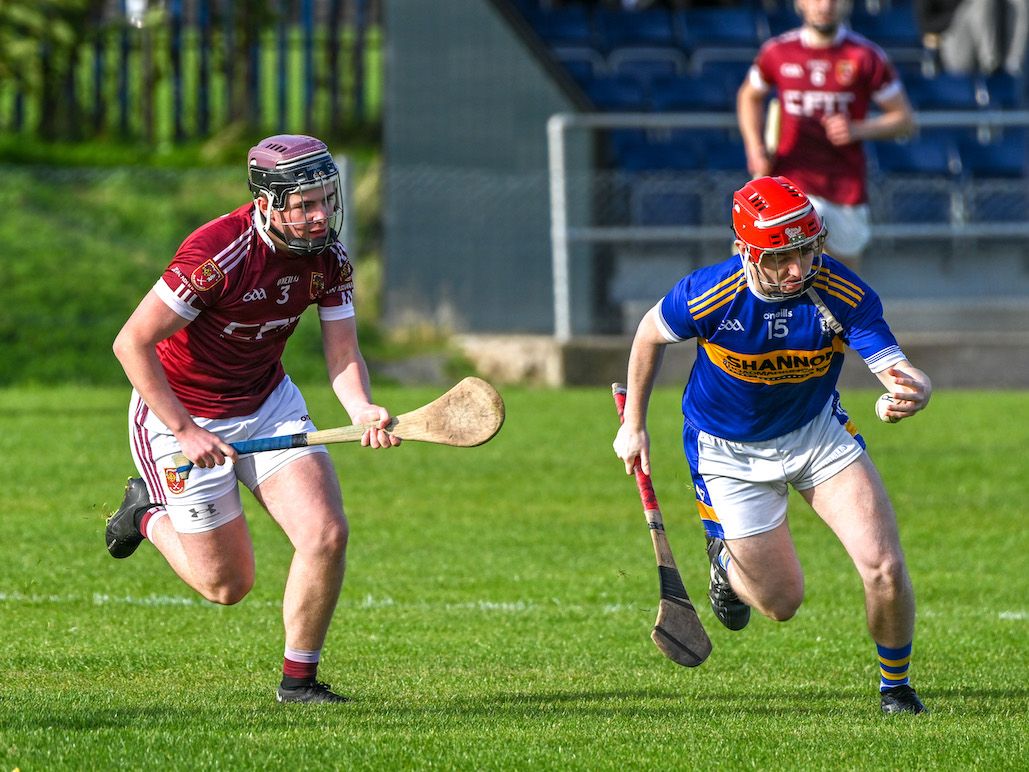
[
  {"x": 826, "y": 78},
  {"x": 203, "y": 353},
  {"x": 243, "y": 300}
]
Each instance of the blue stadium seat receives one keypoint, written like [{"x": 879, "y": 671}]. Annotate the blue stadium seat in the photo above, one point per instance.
[
  {"x": 1003, "y": 157},
  {"x": 910, "y": 70},
  {"x": 720, "y": 149},
  {"x": 691, "y": 95},
  {"x": 1005, "y": 91},
  {"x": 618, "y": 29},
  {"x": 930, "y": 153},
  {"x": 646, "y": 64},
  {"x": 729, "y": 27},
  {"x": 567, "y": 25},
  {"x": 729, "y": 72},
  {"x": 893, "y": 26},
  {"x": 918, "y": 200},
  {"x": 945, "y": 92},
  {"x": 999, "y": 201},
  {"x": 636, "y": 150},
  {"x": 630, "y": 149},
  {"x": 617, "y": 92},
  {"x": 660, "y": 200},
  {"x": 918, "y": 180},
  {"x": 583, "y": 63}
]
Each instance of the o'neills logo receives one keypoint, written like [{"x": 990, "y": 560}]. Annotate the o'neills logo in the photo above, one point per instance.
[
  {"x": 783, "y": 366},
  {"x": 174, "y": 480},
  {"x": 206, "y": 276}
]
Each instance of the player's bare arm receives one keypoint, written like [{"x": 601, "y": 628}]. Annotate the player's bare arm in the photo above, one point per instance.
[
  {"x": 909, "y": 387},
  {"x": 348, "y": 374},
  {"x": 135, "y": 348},
  {"x": 632, "y": 443},
  {"x": 897, "y": 120},
  {"x": 750, "y": 115}
]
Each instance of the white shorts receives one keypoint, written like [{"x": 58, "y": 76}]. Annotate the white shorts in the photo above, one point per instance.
[
  {"x": 209, "y": 498},
  {"x": 742, "y": 487},
  {"x": 849, "y": 228}
]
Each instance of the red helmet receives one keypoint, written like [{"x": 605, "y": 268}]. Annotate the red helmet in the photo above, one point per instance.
[{"x": 771, "y": 214}]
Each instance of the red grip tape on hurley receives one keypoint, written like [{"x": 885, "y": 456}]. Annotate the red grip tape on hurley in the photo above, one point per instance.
[{"x": 646, "y": 487}]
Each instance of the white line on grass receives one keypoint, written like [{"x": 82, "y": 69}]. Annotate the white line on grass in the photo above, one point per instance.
[
  {"x": 102, "y": 599},
  {"x": 1007, "y": 616},
  {"x": 367, "y": 602}
]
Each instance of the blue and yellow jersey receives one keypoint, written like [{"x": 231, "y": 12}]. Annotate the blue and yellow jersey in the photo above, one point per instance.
[{"x": 765, "y": 368}]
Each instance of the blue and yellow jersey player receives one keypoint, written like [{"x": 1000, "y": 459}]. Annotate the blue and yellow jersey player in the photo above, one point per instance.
[{"x": 762, "y": 413}]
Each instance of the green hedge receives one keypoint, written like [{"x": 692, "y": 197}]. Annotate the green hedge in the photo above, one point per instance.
[{"x": 82, "y": 248}]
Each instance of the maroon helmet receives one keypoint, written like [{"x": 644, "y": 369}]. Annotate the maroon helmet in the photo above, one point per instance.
[{"x": 280, "y": 166}]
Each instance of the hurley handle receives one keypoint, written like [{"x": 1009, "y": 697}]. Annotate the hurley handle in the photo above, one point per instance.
[{"x": 647, "y": 495}]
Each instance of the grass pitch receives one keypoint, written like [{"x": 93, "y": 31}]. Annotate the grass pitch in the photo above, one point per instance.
[{"x": 498, "y": 604}]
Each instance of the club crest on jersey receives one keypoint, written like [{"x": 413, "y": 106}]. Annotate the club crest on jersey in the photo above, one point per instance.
[
  {"x": 206, "y": 276},
  {"x": 317, "y": 285},
  {"x": 175, "y": 480},
  {"x": 845, "y": 72},
  {"x": 346, "y": 270}
]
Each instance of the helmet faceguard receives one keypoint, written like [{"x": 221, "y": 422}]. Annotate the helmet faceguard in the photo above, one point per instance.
[
  {"x": 296, "y": 175},
  {"x": 776, "y": 224}
]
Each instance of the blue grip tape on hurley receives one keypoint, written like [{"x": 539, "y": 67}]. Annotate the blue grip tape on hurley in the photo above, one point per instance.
[{"x": 271, "y": 443}]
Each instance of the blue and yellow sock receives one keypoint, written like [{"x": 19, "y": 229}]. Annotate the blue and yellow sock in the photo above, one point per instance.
[
  {"x": 893, "y": 666},
  {"x": 724, "y": 559}
]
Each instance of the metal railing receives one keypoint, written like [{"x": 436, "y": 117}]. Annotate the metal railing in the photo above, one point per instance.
[{"x": 564, "y": 233}]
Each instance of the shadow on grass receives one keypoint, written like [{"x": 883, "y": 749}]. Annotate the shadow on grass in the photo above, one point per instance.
[
  {"x": 804, "y": 701},
  {"x": 655, "y": 703},
  {"x": 257, "y": 713}
]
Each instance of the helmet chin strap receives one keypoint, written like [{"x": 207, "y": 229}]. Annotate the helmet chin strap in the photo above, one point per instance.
[{"x": 263, "y": 220}]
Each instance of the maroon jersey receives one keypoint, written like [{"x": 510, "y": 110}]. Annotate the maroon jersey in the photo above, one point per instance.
[
  {"x": 813, "y": 82},
  {"x": 243, "y": 299}
]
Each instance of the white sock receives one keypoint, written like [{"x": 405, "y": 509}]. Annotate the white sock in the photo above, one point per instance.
[{"x": 300, "y": 655}]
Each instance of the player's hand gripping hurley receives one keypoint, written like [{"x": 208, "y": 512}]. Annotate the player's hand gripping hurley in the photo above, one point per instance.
[
  {"x": 678, "y": 632},
  {"x": 470, "y": 414}
]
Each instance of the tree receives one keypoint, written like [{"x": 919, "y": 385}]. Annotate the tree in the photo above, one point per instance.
[{"x": 39, "y": 47}]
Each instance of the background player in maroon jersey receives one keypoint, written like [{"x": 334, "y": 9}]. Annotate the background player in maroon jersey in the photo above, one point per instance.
[
  {"x": 203, "y": 353},
  {"x": 826, "y": 78}
]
